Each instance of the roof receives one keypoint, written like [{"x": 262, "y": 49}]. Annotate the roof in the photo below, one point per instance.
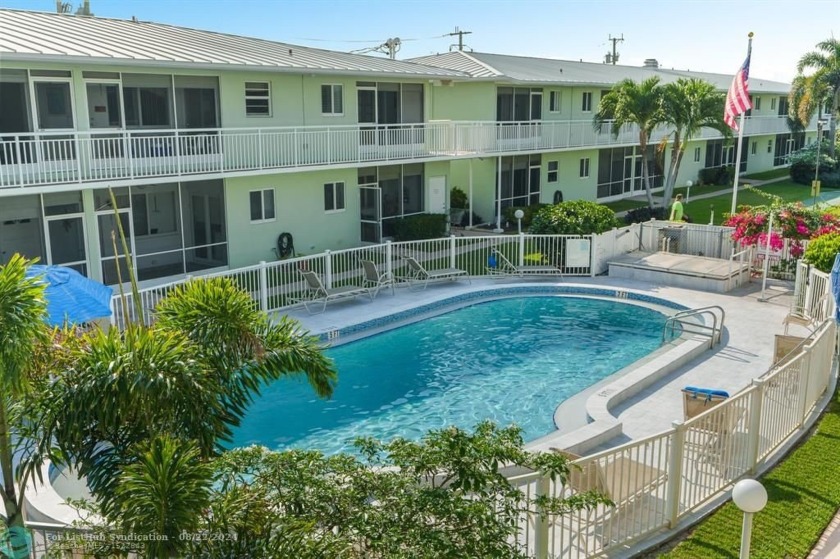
[
  {"x": 44, "y": 36},
  {"x": 523, "y": 69}
]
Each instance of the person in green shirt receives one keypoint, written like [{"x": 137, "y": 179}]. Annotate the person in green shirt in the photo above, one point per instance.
[{"x": 677, "y": 209}]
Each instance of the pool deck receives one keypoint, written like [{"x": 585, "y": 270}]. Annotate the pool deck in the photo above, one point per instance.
[{"x": 745, "y": 353}]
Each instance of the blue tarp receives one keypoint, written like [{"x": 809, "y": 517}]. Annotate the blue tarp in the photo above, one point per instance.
[
  {"x": 706, "y": 392},
  {"x": 835, "y": 286},
  {"x": 71, "y": 297}
]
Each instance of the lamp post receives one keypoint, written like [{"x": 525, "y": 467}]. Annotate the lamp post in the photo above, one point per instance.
[
  {"x": 519, "y": 214},
  {"x": 688, "y": 185},
  {"x": 711, "y": 214},
  {"x": 815, "y": 186},
  {"x": 751, "y": 497}
]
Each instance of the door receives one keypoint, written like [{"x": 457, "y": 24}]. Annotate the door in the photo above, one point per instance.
[
  {"x": 114, "y": 268},
  {"x": 370, "y": 214},
  {"x": 366, "y": 97},
  {"x": 66, "y": 242},
  {"x": 54, "y": 113},
  {"x": 105, "y": 113},
  {"x": 437, "y": 195}
]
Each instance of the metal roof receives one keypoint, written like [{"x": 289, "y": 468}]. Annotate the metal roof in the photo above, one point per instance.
[
  {"x": 44, "y": 36},
  {"x": 525, "y": 69}
]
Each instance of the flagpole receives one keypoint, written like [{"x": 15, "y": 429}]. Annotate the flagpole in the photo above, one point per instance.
[{"x": 740, "y": 144}]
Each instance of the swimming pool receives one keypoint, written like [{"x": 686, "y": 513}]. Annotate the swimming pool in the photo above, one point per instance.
[{"x": 509, "y": 360}]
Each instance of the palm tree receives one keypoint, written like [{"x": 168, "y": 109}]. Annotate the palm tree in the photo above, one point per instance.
[
  {"x": 190, "y": 375},
  {"x": 809, "y": 93},
  {"x": 631, "y": 103},
  {"x": 689, "y": 105},
  {"x": 22, "y": 333}
]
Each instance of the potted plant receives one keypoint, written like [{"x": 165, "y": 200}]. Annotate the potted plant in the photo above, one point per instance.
[{"x": 458, "y": 205}]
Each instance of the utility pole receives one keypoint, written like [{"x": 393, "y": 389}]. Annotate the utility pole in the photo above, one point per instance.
[
  {"x": 460, "y": 38},
  {"x": 615, "y": 40}
]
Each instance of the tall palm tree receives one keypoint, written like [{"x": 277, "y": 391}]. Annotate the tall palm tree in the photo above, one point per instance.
[
  {"x": 22, "y": 331},
  {"x": 631, "y": 103},
  {"x": 810, "y": 92},
  {"x": 689, "y": 105}
]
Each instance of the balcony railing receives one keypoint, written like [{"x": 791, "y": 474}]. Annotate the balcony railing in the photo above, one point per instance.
[{"x": 46, "y": 158}]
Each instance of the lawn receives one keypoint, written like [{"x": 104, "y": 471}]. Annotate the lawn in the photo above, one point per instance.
[
  {"x": 767, "y": 175},
  {"x": 700, "y": 209},
  {"x": 804, "y": 493}
]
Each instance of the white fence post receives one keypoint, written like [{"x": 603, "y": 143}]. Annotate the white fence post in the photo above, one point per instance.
[
  {"x": 592, "y": 258},
  {"x": 541, "y": 521},
  {"x": 451, "y": 251},
  {"x": 521, "y": 260},
  {"x": 327, "y": 269},
  {"x": 804, "y": 378},
  {"x": 754, "y": 433},
  {"x": 389, "y": 252},
  {"x": 263, "y": 286},
  {"x": 675, "y": 466}
]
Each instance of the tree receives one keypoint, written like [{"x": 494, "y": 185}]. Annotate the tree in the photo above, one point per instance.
[
  {"x": 809, "y": 93},
  {"x": 23, "y": 334},
  {"x": 190, "y": 376},
  {"x": 689, "y": 105},
  {"x": 631, "y": 103},
  {"x": 442, "y": 496}
]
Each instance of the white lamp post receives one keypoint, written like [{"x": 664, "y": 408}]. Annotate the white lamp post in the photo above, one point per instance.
[
  {"x": 815, "y": 186},
  {"x": 749, "y": 496},
  {"x": 519, "y": 214},
  {"x": 688, "y": 190}
]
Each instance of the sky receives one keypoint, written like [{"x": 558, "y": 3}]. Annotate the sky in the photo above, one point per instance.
[{"x": 703, "y": 35}]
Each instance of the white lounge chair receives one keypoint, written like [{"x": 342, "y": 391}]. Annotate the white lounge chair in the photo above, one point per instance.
[
  {"x": 374, "y": 280},
  {"x": 316, "y": 293},
  {"x": 505, "y": 267},
  {"x": 418, "y": 274}
]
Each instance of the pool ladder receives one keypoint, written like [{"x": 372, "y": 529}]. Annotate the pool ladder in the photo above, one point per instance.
[{"x": 716, "y": 313}]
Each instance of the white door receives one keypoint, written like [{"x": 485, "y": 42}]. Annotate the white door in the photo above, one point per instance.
[{"x": 436, "y": 197}]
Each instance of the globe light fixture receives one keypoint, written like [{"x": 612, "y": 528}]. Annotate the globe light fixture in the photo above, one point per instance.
[
  {"x": 519, "y": 214},
  {"x": 751, "y": 497},
  {"x": 688, "y": 185}
]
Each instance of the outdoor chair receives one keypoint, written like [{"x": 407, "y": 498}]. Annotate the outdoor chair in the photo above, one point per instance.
[
  {"x": 316, "y": 294},
  {"x": 375, "y": 280},
  {"x": 500, "y": 266},
  {"x": 420, "y": 275},
  {"x": 624, "y": 481},
  {"x": 708, "y": 438}
]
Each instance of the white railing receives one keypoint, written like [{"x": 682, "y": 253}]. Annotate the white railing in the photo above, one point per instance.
[
  {"x": 711, "y": 241},
  {"x": 46, "y": 158}
]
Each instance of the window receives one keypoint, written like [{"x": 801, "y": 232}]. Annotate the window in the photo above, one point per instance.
[
  {"x": 773, "y": 104},
  {"x": 518, "y": 104},
  {"x": 586, "y": 104},
  {"x": 769, "y": 146},
  {"x": 334, "y": 197},
  {"x": 262, "y": 205},
  {"x": 584, "y": 167},
  {"x": 146, "y": 106},
  {"x": 554, "y": 101},
  {"x": 553, "y": 170},
  {"x": 757, "y": 103},
  {"x": 783, "y": 106},
  {"x": 696, "y": 154},
  {"x": 753, "y": 148},
  {"x": 257, "y": 99},
  {"x": 332, "y": 99}
]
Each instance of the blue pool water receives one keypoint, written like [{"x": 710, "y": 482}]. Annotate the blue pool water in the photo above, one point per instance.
[{"x": 509, "y": 360}]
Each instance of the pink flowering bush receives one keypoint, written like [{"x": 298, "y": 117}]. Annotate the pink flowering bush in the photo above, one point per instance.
[{"x": 790, "y": 221}]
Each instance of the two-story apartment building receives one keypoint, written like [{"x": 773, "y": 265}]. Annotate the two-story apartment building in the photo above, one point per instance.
[{"x": 214, "y": 144}]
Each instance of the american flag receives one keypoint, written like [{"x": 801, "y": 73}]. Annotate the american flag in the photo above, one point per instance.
[{"x": 738, "y": 98}]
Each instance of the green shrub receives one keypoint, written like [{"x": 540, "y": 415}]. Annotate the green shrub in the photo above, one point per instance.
[
  {"x": 642, "y": 214},
  {"x": 803, "y": 165},
  {"x": 822, "y": 250},
  {"x": 422, "y": 226},
  {"x": 722, "y": 175},
  {"x": 575, "y": 217},
  {"x": 458, "y": 199},
  {"x": 529, "y": 211}
]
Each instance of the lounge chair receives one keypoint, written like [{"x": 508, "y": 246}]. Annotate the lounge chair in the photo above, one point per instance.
[
  {"x": 624, "y": 481},
  {"x": 418, "y": 274},
  {"x": 709, "y": 438},
  {"x": 504, "y": 267},
  {"x": 317, "y": 294},
  {"x": 374, "y": 280}
]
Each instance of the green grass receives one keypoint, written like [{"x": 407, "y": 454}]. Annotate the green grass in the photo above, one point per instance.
[
  {"x": 767, "y": 175},
  {"x": 804, "y": 494},
  {"x": 624, "y": 205},
  {"x": 700, "y": 208}
]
